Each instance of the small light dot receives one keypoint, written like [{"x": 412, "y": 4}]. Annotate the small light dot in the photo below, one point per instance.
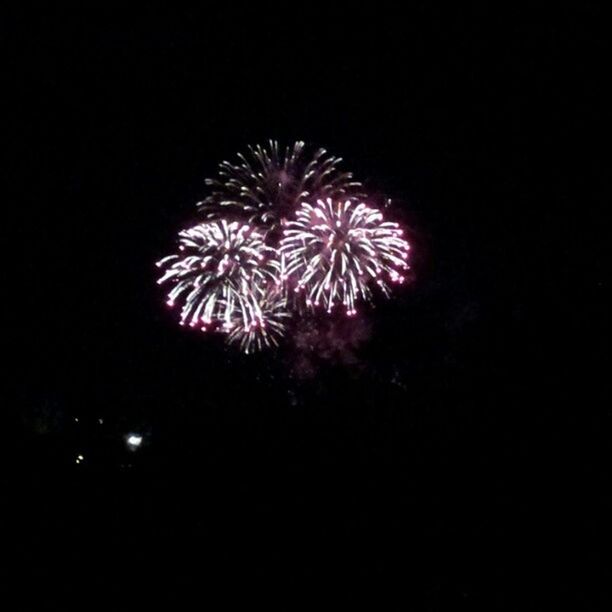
[{"x": 134, "y": 440}]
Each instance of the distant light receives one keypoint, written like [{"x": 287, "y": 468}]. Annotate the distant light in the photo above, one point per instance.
[
  {"x": 134, "y": 440},
  {"x": 100, "y": 421},
  {"x": 80, "y": 457}
]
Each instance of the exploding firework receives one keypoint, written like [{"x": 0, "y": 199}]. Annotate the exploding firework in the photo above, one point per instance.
[
  {"x": 266, "y": 185},
  {"x": 268, "y": 329},
  {"x": 220, "y": 274},
  {"x": 336, "y": 250},
  {"x": 264, "y": 252}
]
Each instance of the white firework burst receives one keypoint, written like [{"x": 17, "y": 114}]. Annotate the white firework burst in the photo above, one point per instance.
[
  {"x": 336, "y": 250},
  {"x": 219, "y": 274},
  {"x": 267, "y": 329},
  {"x": 267, "y": 184}
]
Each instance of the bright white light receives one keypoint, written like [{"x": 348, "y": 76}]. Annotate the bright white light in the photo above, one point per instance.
[{"x": 134, "y": 440}]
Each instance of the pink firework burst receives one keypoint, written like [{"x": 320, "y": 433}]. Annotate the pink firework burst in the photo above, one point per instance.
[{"x": 335, "y": 251}]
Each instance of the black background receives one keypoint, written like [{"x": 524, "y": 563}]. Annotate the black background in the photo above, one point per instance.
[{"x": 459, "y": 462}]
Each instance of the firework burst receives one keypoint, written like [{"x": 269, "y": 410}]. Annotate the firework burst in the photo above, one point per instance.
[
  {"x": 267, "y": 329},
  {"x": 219, "y": 274},
  {"x": 266, "y": 184},
  {"x": 264, "y": 252},
  {"x": 336, "y": 250}
]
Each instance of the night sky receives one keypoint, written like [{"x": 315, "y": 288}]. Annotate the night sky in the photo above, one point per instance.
[{"x": 446, "y": 450}]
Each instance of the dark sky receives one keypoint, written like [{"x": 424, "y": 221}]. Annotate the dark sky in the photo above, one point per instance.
[{"x": 436, "y": 460}]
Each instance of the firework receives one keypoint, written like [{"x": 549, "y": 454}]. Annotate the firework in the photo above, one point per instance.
[
  {"x": 266, "y": 185},
  {"x": 267, "y": 329},
  {"x": 265, "y": 253},
  {"x": 336, "y": 250},
  {"x": 219, "y": 274}
]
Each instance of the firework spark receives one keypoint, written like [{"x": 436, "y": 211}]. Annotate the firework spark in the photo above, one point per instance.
[
  {"x": 266, "y": 185},
  {"x": 336, "y": 250},
  {"x": 219, "y": 274}
]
